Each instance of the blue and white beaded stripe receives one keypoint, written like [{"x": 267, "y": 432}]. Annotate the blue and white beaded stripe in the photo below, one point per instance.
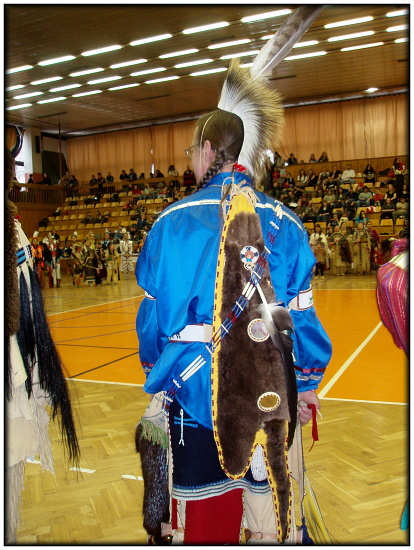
[
  {"x": 216, "y": 489},
  {"x": 24, "y": 254}
]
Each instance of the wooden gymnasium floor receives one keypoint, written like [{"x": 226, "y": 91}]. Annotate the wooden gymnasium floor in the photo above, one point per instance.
[{"x": 358, "y": 469}]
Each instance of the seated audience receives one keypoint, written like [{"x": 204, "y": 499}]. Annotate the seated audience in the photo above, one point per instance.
[
  {"x": 132, "y": 175},
  {"x": 401, "y": 210},
  {"x": 123, "y": 175},
  {"x": 365, "y": 197},
  {"x": 348, "y": 175},
  {"x": 387, "y": 210},
  {"x": 109, "y": 178},
  {"x": 292, "y": 159},
  {"x": 323, "y": 157},
  {"x": 46, "y": 180},
  {"x": 188, "y": 177},
  {"x": 312, "y": 158},
  {"x": 369, "y": 174},
  {"x": 93, "y": 181}
]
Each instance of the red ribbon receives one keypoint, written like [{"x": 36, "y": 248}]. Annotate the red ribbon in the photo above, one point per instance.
[
  {"x": 239, "y": 167},
  {"x": 315, "y": 435}
]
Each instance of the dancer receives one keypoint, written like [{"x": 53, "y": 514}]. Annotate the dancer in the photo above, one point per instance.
[
  {"x": 319, "y": 246},
  {"x": 226, "y": 272},
  {"x": 127, "y": 259}
]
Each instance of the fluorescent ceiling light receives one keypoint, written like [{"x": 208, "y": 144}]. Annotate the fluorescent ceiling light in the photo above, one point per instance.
[
  {"x": 87, "y": 93},
  {"x": 228, "y": 44},
  {"x": 32, "y": 94},
  {"x": 362, "y": 46},
  {"x": 190, "y": 63},
  {"x": 150, "y": 39},
  {"x": 349, "y": 22},
  {"x": 87, "y": 71},
  {"x": 397, "y": 28},
  {"x": 245, "y": 65},
  {"x": 396, "y": 13},
  {"x": 149, "y": 71},
  {"x": 22, "y": 106},
  {"x": 240, "y": 54},
  {"x": 306, "y": 43},
  {"x": 128, "y": 63},
  {"x": 16, "y": 87},
  {"x": 68, "y": 87},
  {"x": 176, "y": 54},
  {"x": 209, "y": 71},
  {"x": 349, "y": 36},
  {"x": 102, "y": 50},
  {"x": 46, "y": 80},
  {"x": 56, "y": 60},
  {"x": 266, "y": 15},
  {"x": 305, "y": 55},
  {"x": 266, "y": 37},
  {"x": 18, "y": 69},
  {"x": 399, "y": 40},
  {"x": 370, "y": 90},
  {"x": 106, "y": 79},
  {"x": 209, "y": 27},
  {"x": 52, "y": 99},
  {"x": 161, "y": 79},
  {"x": 124, "y": 86}
]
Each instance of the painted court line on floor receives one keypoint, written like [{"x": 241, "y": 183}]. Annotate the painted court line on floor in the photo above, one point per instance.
[
  {"x": 350, "y": 359},
  {"x": 83, "y": 470},
  {"x": 104, "y": 382},
  {"x": 363, "y": 401},
  {"x": 105, "y": 364},
  {"x": 96, "y": 305}
]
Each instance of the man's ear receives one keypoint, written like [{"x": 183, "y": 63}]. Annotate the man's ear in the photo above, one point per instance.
[{"x": 208, "y": 151}]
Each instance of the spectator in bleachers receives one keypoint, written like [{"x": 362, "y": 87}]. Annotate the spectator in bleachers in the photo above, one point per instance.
[
  {"x": 401, "y": 210},
  {"x": 292, "y": 159},
  {"x": 324, "y": 212},
  {"x": 361, "y": 218},
  {"x": 188, "y": 177},
  {"x": 365, "y": 197},
  {"x": 141, "y": 176},
  {"x": 109, "y": 178},
  {"x": 46, "y": 180},
  {"x": 312, "y": 158},
  {"x": 159, "y": 174},
  {"x": 301, "y": 178},
  {"x": 93, "y": 181},
  {"x": 391, "y": 193},
  {"x": 30, "y": 180},
  {"x": 312, "y": 179},
  {"x": 132, "y": 175},
  {"x": 323, "y": 157},
  {"x": 319, "y": 245},
  {"x": 123, "y": 175},
  {"x": 369, "y": 174},
  {"x": 348, "y": 175},
  {"x": 387, "y": 209},
  {"x": 172, "y": 171}
]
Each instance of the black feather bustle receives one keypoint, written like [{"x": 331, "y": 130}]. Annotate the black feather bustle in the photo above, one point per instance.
[
  {"x": 25, "y": 334},
  {"x": 154, "y": 463},
  {"x": 51, "y": 376}
]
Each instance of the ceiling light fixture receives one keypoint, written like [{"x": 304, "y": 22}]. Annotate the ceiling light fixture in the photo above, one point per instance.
[
  {"x": 176, "y": 54},
  {"x": 102, "y": 50},
  {"x": 18, "y": 69},
  {"x": 349, "y": 36},
  {"x": 240, "y": 54},
  {"x": 106, "y": 79},
  {"x": 22, "y": 106},
  {"x": 209, "y": 27},
  {"x": 56, "y": 60},
  {"x": 209, "y": 71},
  {"x": 306, "y": 43},
  {"x": 149, "y": 71},
  {"x": 87, "y": 71},
  {"x": 68, "y": 87},
  {"x": 349, "y": 22},
  {"x": 396, "y": 13},
  {"x": 23, "y": 96},
  {"x": 46, "y": 80},
  {"x": 397, "y": 28},
  {"x": 124, "y": 86},
  {"x": 190, "y": 63},
  {"x": 305, "y": 55},
  {"x": 155, "y": 81},
  {"x": 399, "y": 40},
  {"x": 51, "y": 100},
  {"x": 16, "y": 87},
  {"x": 228, "y": 44},
  {"x": 150, "y": 39},
  {"x": 362, "y": 46},
  {"x": 92, "y": 92},
  {"x": 266, "y": 15},
  {"x": 370, "y": 90},
  {"x": 128, "y": 63}
]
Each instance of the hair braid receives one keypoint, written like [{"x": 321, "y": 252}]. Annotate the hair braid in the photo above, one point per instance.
[{"x": 214, "y": 169}]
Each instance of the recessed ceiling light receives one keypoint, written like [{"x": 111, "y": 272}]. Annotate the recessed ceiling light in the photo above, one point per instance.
[
  {"x": 92, "y": 92},
  {"x": 161, "y": 79},
  {"x": 16, "y": 87},
  {"x": 306, "y": 43},
  {"x": 124, "y": 86},
  {"x": 349, "y": 36},
  {"x": 18, "y": 69},
  {"x": 228, "y": 44},
  {"x": 266, "y": 15},
  {"x": 32, "y": 94},
  {"x": 51, "y": 100},
  {"x": 209, "y": 27},
  {"x": 397, "y": 28},
  {"x": 46, "y": 80},
  {"x": 128, "y": 63},
  {"x": 87, "y": 71},
  {"x": 396, "y": 13},
  {"x": 362, "y": 46},
  {"x": 150, "y": 39},
  {"x": 399, "y": 40},
  {"x": 149, "y": 71},
  {"x": 102, "y": 50},
  {"x": 305, "y": 55},
  {"x": 190, "y": 63},
  {"x": 56, "y": 60},
  {"x": 240, "y": 54},
  {"x": 370, "y": 90},
  {"x": 106, "y": 79},
  {"x": 22, "y": 106},
  {"x": 68, "y": 87},
  {"x": 349, "y": 22},
  {"x": 176, "y": 54},
  {"x": 209, "y": 71}
]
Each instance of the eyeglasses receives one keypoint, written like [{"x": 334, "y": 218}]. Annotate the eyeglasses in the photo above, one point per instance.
[{"x": 190, "y": 151}]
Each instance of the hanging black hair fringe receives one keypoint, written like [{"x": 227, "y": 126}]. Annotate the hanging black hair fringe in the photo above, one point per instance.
[
  {"x": 25, "y": 334},
  {"x": 51, "y": 373}
]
